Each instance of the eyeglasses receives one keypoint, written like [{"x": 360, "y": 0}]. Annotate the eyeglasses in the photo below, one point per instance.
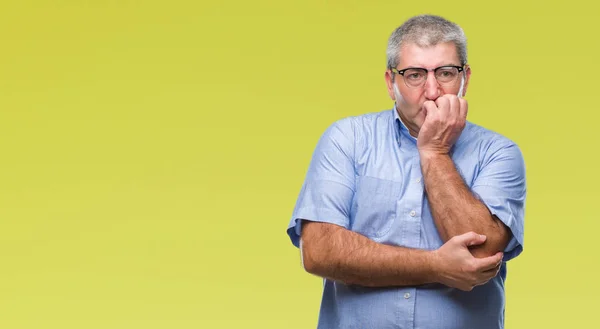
[{"x": 415, "y": 77}]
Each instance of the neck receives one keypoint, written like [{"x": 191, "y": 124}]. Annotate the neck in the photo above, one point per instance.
[{"x": 413, "y": 130}]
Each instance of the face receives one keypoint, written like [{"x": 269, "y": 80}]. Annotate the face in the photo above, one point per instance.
[{"x": 409, "y": 100}]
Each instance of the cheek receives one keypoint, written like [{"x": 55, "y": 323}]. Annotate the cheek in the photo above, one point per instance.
[
  {"x": 410, "y": 99},
  {"x": 415, "y": 103},
  {"x": 413, "y": 98},
  {"x": 453, "y": 90}
]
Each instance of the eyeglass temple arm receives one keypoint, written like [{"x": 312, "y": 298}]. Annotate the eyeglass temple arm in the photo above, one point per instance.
[{"x": 462, "y": 84}]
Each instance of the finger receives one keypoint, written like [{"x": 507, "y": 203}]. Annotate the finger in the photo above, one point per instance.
[
  {"x": 454, "y": 107},
  {"x": 470, "y": 239},
  {"x": 488, "y": 275},
  {"x": 443, "y": 105},
  {"x": 493, "y": 269},
  {"x": 431, "y": 109},
  {"x": 489, "y": 262},
  {"x": 439, "y": 101}
]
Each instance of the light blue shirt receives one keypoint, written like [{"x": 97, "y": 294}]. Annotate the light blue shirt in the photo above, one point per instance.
[{"x": 365, "y": 175}]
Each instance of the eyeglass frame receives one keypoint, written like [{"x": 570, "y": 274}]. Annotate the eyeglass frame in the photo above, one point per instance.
[{"x": 401, "y": 72}]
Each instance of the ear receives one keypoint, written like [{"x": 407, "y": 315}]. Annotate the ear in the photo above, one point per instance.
[
  {"x": 468, "y": 78},
  {"x": 390, "y": 84}
]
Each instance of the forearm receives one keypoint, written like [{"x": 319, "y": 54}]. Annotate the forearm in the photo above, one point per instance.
[
  {"x": 338, "y": 254},
  {"x": 455, "y": 209}
]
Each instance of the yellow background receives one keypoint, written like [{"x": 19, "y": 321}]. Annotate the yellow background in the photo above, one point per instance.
[{"x": 151, "y": 152}]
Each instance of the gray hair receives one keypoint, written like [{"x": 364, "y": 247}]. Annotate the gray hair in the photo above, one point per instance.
[{"x": 425, "y": 31}]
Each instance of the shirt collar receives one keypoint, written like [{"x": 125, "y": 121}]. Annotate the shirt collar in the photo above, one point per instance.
[{"x": 402, "y": 132}]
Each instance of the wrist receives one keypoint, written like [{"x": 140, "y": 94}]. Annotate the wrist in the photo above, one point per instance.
[
  {"x": 429, "y": 159},
  {"x": 432, "y": 155},
  {"x": 432, "y": 264}
]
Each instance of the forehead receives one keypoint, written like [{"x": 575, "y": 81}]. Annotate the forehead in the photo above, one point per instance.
[{"x": 413, "y": 55}]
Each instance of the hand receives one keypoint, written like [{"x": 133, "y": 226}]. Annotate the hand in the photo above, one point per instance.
[
  {"x": 456, "y": 267},
  {"x": 444, "y": 121}
]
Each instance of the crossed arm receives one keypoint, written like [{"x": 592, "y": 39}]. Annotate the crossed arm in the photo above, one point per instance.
[
  {"x": 467, "y": 259},
  {"x": 333, "y": 252},
  {"x": 471, "y": 254}
]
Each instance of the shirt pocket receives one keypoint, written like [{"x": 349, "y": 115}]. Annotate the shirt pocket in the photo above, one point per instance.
[{"x": 374, "y": 206}]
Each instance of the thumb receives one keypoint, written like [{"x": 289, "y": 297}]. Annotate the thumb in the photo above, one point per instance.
[{"x": 470, "y": 239}]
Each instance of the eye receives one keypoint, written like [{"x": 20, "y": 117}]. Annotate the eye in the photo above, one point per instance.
[
  {"x": 447, "y": 74},
  {"x": 414, "y": 75}
]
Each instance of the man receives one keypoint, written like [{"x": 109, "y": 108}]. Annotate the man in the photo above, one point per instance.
[{"x": 411, "y": 214}]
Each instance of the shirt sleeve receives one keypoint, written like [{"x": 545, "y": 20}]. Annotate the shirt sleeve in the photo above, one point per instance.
[
  {"x": 501, "y": 186},
  {"x": 328, "y": 188}
]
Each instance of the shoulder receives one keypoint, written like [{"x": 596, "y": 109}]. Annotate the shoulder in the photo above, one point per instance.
[
  {"x": 488, "y": 144},
  {"x": 358, "y": 126}
]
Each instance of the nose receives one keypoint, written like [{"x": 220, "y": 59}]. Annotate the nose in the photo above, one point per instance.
[{"x": 432, "y": 87}]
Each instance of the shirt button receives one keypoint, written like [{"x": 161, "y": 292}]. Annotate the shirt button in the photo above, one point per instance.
[
  {"x": 419, "y": 180},
  {"x": 407, "y": 295},
  {"x": 413, "y": 213}
]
